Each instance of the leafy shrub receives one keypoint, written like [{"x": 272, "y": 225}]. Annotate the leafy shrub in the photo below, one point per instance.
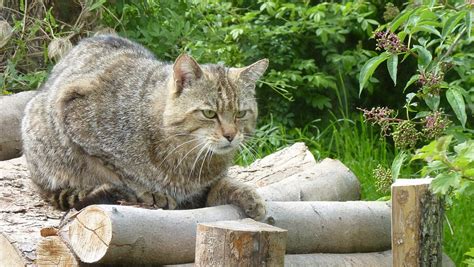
[{"x": 315, "y": 51}]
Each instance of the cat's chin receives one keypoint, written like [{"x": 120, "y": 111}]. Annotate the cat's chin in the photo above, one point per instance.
[{"x": 223, "y": 150}]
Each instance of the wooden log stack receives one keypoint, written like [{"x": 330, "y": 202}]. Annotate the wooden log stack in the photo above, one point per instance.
[{"x": 314, "y": 219}]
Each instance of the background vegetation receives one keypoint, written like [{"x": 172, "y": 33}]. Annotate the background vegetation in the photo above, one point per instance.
[{"x": 367, "y": 82}]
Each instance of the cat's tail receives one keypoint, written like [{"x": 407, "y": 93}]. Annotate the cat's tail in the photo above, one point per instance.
[{"x": 68, "y": 198}]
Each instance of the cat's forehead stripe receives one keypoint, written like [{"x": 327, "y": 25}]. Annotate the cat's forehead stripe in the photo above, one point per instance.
[{"x": 227, "y": 94}]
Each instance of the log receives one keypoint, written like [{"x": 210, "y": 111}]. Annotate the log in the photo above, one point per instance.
[
  {"x": 106, "y": 234},
  {"x": 328, "y": 180},
  {"x": 417, "y": 223},
  {"x": 22, "y": 214},
  {"x": 379, "y": 259},
  {"x": 12, "y": 107},
  {"x": 293, "y": 174},
  {"x": 53, "y": 252},
  {"x": 239, "y": 243}
]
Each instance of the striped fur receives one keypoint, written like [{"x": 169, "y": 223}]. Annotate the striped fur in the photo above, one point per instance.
[{"x": 114, "y": 123}]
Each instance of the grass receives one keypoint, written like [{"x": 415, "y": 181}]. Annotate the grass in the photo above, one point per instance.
[{"x": 361, "y": 148}]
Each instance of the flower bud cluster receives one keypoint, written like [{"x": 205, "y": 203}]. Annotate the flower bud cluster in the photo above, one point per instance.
[
  {"x": 380, "y": 116},
  {"x": 430, "y": 79},
  {"x": 405, "y": 135},
  {"x": 391, "y": 11},
  {"x": 383, "y": 179},
  {"x": 434, "y": 125},
  {"x": 389, "y": 42}
]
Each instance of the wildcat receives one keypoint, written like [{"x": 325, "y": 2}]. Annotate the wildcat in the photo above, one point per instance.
[{"x": 113, "y": 123}]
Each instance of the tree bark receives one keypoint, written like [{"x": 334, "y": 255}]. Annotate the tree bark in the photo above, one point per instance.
[
  {"x": 22, "y": 213},
  {"x": 12, "y": 107},
  {"x": 239, "y": 243},
  {"x": 106, "y": 234},
  {"x": 417, "y": 223}
]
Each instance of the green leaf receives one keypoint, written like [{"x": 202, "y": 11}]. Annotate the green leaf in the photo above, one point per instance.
[
  {"x": 392, "y": 64},
  {"x": 97, "y": 4},
  {"x": 444, "y": 181},
  {"x": 424, "y": 56},
  {"x": 413, "y": 79},
  {"x": 369, "y": 68},
  {"x": 451, "y": 23},
  {"x": 443, "y": 143},
  {"x": 432, "y": 101},
  {"x": 397, "y": 165},
  {"x": 465, "y": 149},
  {"x": 426, "y": 28},
  {"x": 456, "y": 101},
  {"x": 400, "y": 19},
  {"x": 427, "y": 152},
  {"x": 469, "y": 24}
]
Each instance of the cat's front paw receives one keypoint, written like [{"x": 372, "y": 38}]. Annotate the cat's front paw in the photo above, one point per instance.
[
  {"x": 158, "y": 200},
  {"x": 253, "y": 205}
]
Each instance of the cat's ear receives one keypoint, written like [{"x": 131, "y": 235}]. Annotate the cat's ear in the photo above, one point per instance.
[
  {"x": 185, "y": 71},
  {"x": 250, "y": 74}
]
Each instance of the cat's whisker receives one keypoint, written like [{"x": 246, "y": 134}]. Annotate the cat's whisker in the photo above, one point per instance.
[
  {"x": 248, "y": 150},
  {"x": 197, "y": 158},
  {"x": 203, "y": 160},
  {"x": 211, "y": 150},
  {"x": 179, "y": 163},
  {"x": 175, "y": 149}
]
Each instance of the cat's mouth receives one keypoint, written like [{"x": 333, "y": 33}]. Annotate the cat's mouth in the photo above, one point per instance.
[{"x": 224, "y": 149}]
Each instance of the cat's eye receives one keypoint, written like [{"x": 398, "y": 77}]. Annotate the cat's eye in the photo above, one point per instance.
[
  {"x": 241, "y": 114},
  {"x": 210, "y": 114}
]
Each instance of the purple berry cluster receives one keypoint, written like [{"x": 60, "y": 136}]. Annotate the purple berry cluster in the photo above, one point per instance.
[
  {"x": 381, "y": 116},
  {"x": 434, "y": 125},
  {"x": 430, "y": 80},
  {"x": 389, "y": 42}
]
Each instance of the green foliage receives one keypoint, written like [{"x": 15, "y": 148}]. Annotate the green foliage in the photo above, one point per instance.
[
  {"x": 453, "y": 168},
  {"x": 470, "y": 260},
  {"x": 321, "y": 61},
  {"x": 38, "y": 36},
  {"x": 314, "y": 50},
  {"x": 438, "y": 36}
]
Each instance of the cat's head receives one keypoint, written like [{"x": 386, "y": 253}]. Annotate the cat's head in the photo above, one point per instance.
[{"x": 211, "y": 106}]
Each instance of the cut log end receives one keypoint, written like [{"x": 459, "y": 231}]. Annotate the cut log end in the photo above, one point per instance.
[
  {"x": 244, "y": 243},
  {"x": 9, "y": 253},
  {"x": 52, "y": 252},
  {"x": 90, "y": 234}
]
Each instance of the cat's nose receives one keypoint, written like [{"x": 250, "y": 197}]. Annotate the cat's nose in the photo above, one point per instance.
[{"x": 229, "y": 136}]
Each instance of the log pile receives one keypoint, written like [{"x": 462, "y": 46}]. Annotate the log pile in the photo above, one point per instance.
[
  {"x": 314, "y": 216},
  {"x": 24, "y": 214}
]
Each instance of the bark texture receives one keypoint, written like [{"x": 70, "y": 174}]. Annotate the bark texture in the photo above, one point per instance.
[
  {"x": 105, "y": 233},
  {"x": 22, "y": 213},
  {"x": 417, "y": 221},
  {"x": 239, "y": 243}
]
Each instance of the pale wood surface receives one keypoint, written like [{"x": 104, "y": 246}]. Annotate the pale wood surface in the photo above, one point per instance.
[
  {"x": 371, "y": 259},
  {"x": 239, "y": 243},
  {"x": 52, "y": 252},
  {"x": 105, "y": 233},
  {"x": 22, "y": 212}
]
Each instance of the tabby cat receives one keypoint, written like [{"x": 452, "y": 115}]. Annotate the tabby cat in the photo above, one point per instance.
[{"x": 112, "y": 123}]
